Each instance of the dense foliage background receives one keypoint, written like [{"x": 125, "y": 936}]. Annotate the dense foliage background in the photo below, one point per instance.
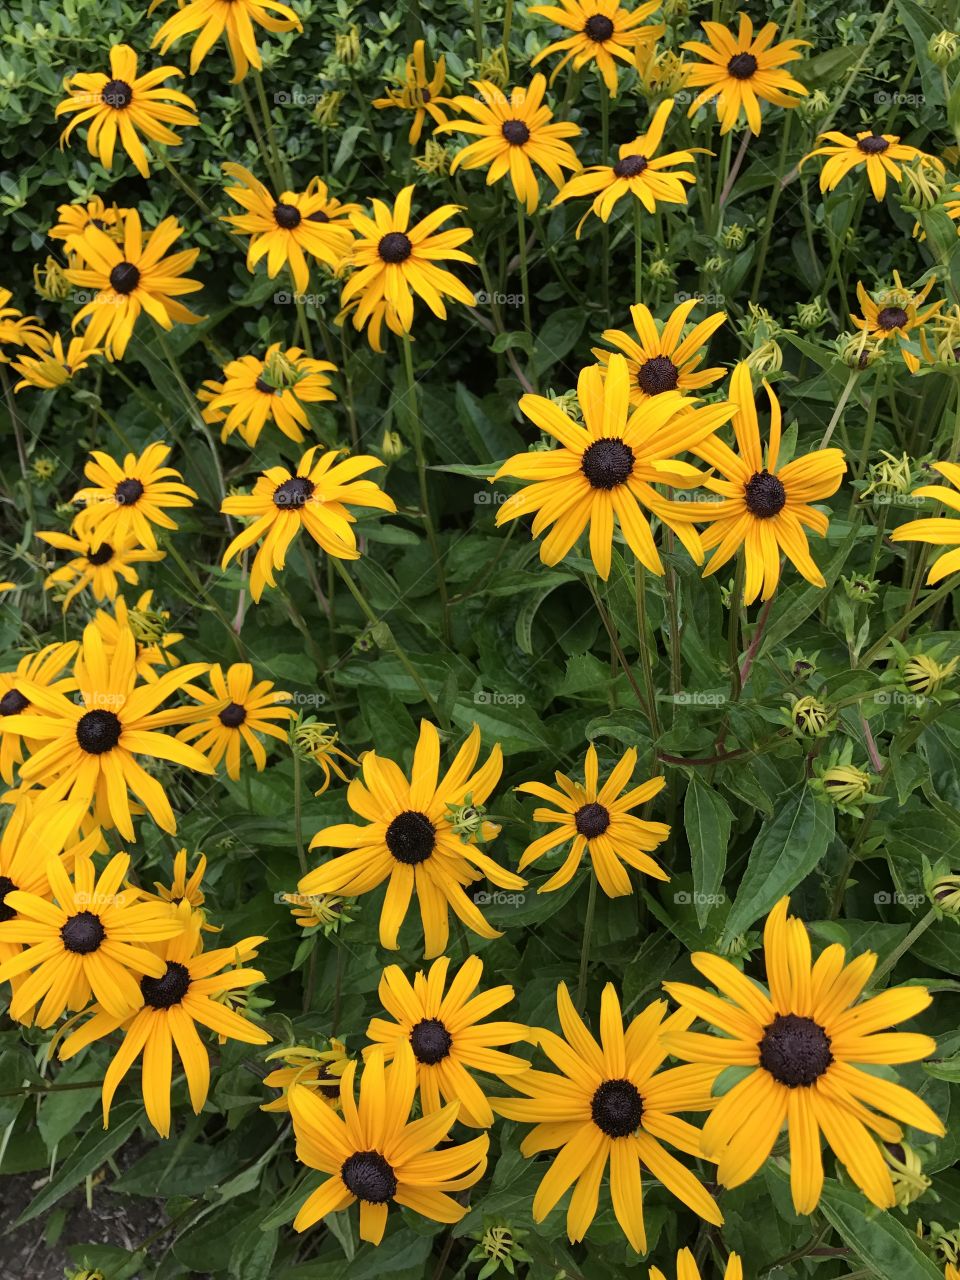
[{"x": 523, "y": 650}]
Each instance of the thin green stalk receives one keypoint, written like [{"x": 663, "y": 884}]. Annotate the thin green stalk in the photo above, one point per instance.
[
  {"x": 614, "y": 639},
  {"x": 637, "y": 251},
  {"x": 839, "y": 407},
  {"x": 276, "y": 177},
  {"x": 298, "y": 810},
  {"x": 188, "y": 573},
  {"x": 605, "y": 229},
  {"x": 507, "y": 25},
  {"x": 723, "y": 168},
  {"x": 643, "y": 630},
  {"x": 184, "y": 185},
  {"x": 585, "y": 944},
  {"x": 478, "y": 29},
  {"x": 525, "y": 279},
  {"x": 416, "y": 425},
  {"x": 275, "y": 151},
  {"x": 893, "y": 956},
  {"x": 778, "y": 185}
]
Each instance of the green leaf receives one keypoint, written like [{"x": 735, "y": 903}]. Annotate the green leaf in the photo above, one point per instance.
[
  {"x": 706, "y": 819},
  {"x": 787, "y": 849},
  {"x": 557, "y": 338},
  {"x": 878, "y": 1239}
]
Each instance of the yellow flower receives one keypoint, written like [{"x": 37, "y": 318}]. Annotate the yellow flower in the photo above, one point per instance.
[
  {"x": 661, "y": 359},
  {"x": 96, "y": 564},
  {"x": 803, "y": 1044},
  {"x": 639, "y": 172},
  {"x": 316, "y": 497},
  {"x": 184, "y": 888},
  {"x": 123, "y": 104},
  {"x": 18, "y": 330},
  {"x": 283, "y": 229},
  {"x": 603, "y": 31},
  {"x": 513, "y": 134},
  {"x": 154, "y": 642},
  {"x": 687, "y": 1268},
  {"x": 377, "y": 1155},
  {"x": 740, "y": 70},
  {"x": 274, "y": 389},
  {"x": 420, "y": 93},
  {"x": 611, "y": 1105},
  {"x": 93, "y": 939},
  {"x": 394, "y": 261},
  {"x": 606, "y": 468},
  {"x": 937, "y": 531},
  {"x": 763, "y": 507},
  {"x": 131, "y": 279},
  {"x": 318, "y": 741},
  {"x": 186, "y": 991},
  {"x": 318, "y": 1070},
  {"x": 878, "y": 152},
  {"x": 448, "y": 1035},
  {"x": 43, "y": 668},
  {"x": 88, "y": 750},
  {"x": 75, "y": 218},
  {"x": 51, "y": 367},
  {"x": 125, "y": 500},
  {"x": 410, "y": 841},
  {"x": 598, "y": 821},
  {"x": 232, "y": 716},
  {"x": 895, "y": 316},
  {"x": 234, "y": 19}
]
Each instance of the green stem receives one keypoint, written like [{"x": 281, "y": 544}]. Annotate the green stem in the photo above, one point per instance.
[
  {"x": 184, "y": 185},
  {"x": 525, "y": 279},
  {"x": 507, "y": 25},
  {"x": 276, "y": 177},
  {"x": 643, "y": 631},
  {"x": 201, "y": 591},
  {"x": 839, "y": 408},
  {"x": 903, "y": 623},
  {"x": 585, "y": 944},
  {"x": 478, "y": 28},
  {"x": 892, "y": 957},
  {"x": 637, "y": 251},
  {"x": 778, "y": 185},
  {"x": 278, "y": 159},
  {"x": 298, "y": 810}
]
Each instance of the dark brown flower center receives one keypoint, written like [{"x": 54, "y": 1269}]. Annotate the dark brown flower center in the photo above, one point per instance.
[
  {"x": 295, "y": 492},
  {"x": 411, "y": 837},
  {"x": 431, "y": 1041},
  {"x": 124, "y": 278},
  {"x": 515, "y": 132},
  {"x": 319, "y": 216},
  {"x": 6, "y": 886},
  {"x": 395, "y": 247},
  {"x": 102, "y": 555},
  {"x": 873, "y": 144},
  {"x": 630, "y": 166},
  {"x": 742, "y": 66},
  {"x": 233, "y": 715},
  {"x": 892, "y": 318},
  {"x": 658, "y": 375},
  {"x": 607, "y": 463},
  {"x": 795, "y": 1050},
  {"x": 98, "y": 731},
  {"x": 764, "y": 495},
  {"x": 13, "y": 702},
  {"x": 117, "y": 94},
  {"x": 128, "y": 492},
  {"x": 599, "y": 28},
  {"x": 592, "y": 820},
  {"x": 368, "y": 1176},
  {"x": 617, "y": 1108},
  {"x": 82, "y": 933},
  {"x": 286, "y": 216},
  {"x": 165, "y": 992},
  {"x": 265, "y": 387}
]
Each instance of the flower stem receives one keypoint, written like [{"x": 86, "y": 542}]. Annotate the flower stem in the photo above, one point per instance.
[
  {"x": 840, "y": 406},
  {"x": 637, "y": 251},
  {"x": 585, "y": 944},
  {"x": 775, "y": 192},
  {"x": 643, "y": 629},
  {"x": 892, "y": 957}
]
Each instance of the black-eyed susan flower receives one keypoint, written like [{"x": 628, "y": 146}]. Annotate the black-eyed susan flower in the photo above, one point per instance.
[
  {"x": 606, "y": 468},
  {"x": 638, "y": 172},
  {"x": 316, "y": 497},
  {"x": 447, "y": 1031},
  {"x": 411, "y": 842},
  {"x": 75, "y": 218},
  {"x": 318, "y": 741},
  {"x": 660, "y": 358},
  {"x": 131, "y": 278},
  {"x": 898, "y": 315},
  {"x": 18, "y": 330},
  {"x": 739, "y": 71},
  {"x": 513, "y": 133},
  {"x": 612, "y": 1106},
  {"x": 95, "y": 564},
  {"x": 936, "y": 531},
  {"x": 687, "y": 1268},
  {"x": 185, "y": 993},
  {"x": 186, "y": 888},
  {"x": 375, "y": 1154},
  {"x": 284, "y": 229},
  {"x": 149, "y": 626},
  {"x": 324, "y": 912},
  {"x": 596, "y": 820},
  {"x": 318, "y": 1070},
  {"x": 764, "y": 507},
  {"x": 330, "y": 208},
  {"x": 126, "y": 499},
  {"x": 878, "y": 152},
  {"x": 88, "y": 749},
  {"x": 603, "y": 31},
  {"x": 44, "y": 668},
  {"x": 394, "y": 261},
  {"x": 50, "y": 366},
  {"x": 234, "y": 20},
  {"x": 93, "y": 940},
  {"x": 803, "y": 1044},
  {"x": 232, "y": 715},
  {"x": 275, "y": 389},
  {"x": 419, "y": 93},
  {"x": 124, "y": 105}
]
